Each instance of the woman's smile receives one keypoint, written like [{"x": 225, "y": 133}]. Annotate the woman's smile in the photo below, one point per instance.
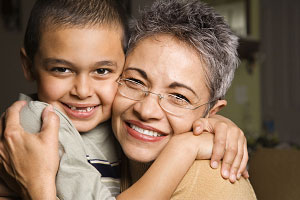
[{"x": 143, "y": 132}]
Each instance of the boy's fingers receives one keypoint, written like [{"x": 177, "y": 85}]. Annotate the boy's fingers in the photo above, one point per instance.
[
  {"x": 244, "y": 162},
  {"x": 231, "y": 151},
  {"x": 198, "y": 127},
  {"x": 219, "y": 144},
  {"x": 50, "y": 126},
  {"x": 237, "y": 161},
  {"x": 246, "y": 174}
]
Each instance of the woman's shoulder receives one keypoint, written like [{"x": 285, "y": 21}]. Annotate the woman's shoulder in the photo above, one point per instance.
[{"x": 203, "y": 182}]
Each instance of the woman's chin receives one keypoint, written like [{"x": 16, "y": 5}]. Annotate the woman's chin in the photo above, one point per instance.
[{"x": 140, "y": 156}]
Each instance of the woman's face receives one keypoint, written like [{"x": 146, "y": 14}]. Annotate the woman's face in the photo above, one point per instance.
[{"x": 164, "y": 65}]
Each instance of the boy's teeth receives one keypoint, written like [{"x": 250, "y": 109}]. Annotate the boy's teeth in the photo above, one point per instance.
[
  {"x": 145, "y": 132},
  {"x": 88, "y": 109}
]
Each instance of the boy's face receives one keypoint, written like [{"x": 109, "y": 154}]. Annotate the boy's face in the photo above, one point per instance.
[{"x": 76, "y": 71}]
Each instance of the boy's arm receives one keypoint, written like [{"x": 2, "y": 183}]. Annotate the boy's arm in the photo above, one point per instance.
[
  {"x": 230, "y": 144},
  {"x": 162, "y": 178}
]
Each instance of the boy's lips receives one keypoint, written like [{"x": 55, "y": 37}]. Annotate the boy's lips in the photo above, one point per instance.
[
  {"x": 80, "y": 110},
  {"x": 143, "y": 132}
]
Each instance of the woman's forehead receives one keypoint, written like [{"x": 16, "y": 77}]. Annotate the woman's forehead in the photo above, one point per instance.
[{"x": 164, "y": 58}]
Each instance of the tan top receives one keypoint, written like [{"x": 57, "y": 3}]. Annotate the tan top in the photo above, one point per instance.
[
  {"x": 200, "y": 183},
  {"x": 203, "y": 182}
]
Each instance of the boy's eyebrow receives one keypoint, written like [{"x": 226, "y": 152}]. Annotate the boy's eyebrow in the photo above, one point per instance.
[
  {"x": 64, "y": 62},
  {"x": 140, "y": 71},
  {"x": 48, "y": 61},
  {"x": 106, "y": 63},
  {"x": 177, "y": 84}
]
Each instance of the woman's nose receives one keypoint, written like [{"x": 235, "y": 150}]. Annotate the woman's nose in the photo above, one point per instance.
[{"x": 149, "y": 108}]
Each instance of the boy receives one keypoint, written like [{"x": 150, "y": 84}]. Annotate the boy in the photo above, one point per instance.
[
  {"x": 74, "y": 51},
  {"x": 81, "y": 85}
]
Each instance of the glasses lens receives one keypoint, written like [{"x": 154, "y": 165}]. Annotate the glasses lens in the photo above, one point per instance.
[
  {"x": 130, "y": 90},
  {"x": 172, "y": 108}
]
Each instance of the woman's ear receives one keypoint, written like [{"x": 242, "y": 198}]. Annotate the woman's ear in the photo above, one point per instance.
[
  {"x": 217, "y": 107},
  {"x": 27, "y": 65}
]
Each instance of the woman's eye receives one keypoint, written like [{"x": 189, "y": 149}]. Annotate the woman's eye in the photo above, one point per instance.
[
  {"x": 134, "y": 83},
  {"x": 103, "y": 71},
  {"x": 61, "y": 70},
  {"x": 178, "y": 99}
]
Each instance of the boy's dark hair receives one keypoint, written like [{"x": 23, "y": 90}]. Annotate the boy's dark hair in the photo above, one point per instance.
[{"x": 71, "y": 13}]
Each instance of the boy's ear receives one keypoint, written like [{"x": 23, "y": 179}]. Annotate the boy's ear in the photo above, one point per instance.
[
  {"x": 27, "y": 65},
  {"x": 217, "y": 107}
]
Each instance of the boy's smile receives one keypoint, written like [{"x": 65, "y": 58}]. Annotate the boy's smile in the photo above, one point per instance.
[{"x": 76, "y": 71}]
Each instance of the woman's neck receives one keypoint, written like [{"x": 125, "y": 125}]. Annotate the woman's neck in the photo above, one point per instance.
[{"x": 137, "y": 169}]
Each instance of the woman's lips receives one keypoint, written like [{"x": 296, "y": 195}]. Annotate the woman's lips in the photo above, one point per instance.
[
  {"x": 144, "y": 133},
  {"x": 80, "y": 111}
]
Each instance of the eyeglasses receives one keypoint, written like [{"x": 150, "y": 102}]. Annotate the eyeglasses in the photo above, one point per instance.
[{"x": 170, "y": 103}]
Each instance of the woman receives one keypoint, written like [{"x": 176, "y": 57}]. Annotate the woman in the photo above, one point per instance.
[
  {"x": 193, "y": 45},
  {"x": 196, "y": 52}
]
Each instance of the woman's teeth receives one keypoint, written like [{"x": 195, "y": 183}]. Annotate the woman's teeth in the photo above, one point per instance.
[
  {"x": 145, "y": 132},
  {"x": 82, "y": 109}
]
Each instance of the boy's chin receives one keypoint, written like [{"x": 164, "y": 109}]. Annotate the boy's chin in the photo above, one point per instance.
[{"x": 84, "y": 126}]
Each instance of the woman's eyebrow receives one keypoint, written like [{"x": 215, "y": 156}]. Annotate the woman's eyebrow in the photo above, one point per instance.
[
  {"x": 177, "y": 84},
  {"x": 140, "y": 71}
]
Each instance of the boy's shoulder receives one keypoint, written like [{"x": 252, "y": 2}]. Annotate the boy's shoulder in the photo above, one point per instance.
[{"x": 31, "y": 114}]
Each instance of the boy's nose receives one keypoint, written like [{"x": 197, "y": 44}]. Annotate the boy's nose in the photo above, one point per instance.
[
  {"x": 148, "y": 108},
  {"x": 82, "y": 87}
]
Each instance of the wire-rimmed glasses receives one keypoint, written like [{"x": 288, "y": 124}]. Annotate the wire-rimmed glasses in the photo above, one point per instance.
[{"x": 172, "y": 104}]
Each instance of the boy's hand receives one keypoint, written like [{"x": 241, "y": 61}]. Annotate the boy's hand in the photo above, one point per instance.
[
  {"x": 229, "y": 144},
  {"x": 32, "y": 159}
]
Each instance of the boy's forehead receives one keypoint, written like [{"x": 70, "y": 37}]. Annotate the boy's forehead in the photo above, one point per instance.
[
  {"x": 57, "y": 32},
  {"x": 96, "y": 43}
]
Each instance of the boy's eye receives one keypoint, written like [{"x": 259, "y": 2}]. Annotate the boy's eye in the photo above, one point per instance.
[
  {"x": 102, "y": 71},
  {"x": 61, "y": 70}
]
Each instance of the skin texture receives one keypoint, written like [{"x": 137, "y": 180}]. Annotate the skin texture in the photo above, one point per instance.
[
  {"x": 78, "y": 68},
  {"x": 154, "y": 56}
]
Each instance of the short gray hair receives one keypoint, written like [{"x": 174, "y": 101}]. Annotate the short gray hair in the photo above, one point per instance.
[{"x": 199, "y": 26}]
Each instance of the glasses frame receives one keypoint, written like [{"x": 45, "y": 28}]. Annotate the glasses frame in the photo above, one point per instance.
[{"x": 160, "y": 96}]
